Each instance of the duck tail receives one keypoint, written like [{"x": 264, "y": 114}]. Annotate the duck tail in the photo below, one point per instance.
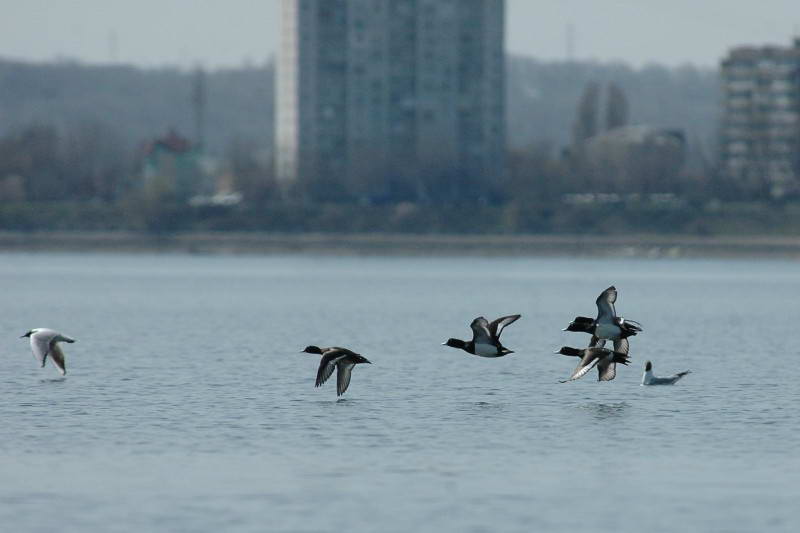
[{"x": 621, "y": 358}]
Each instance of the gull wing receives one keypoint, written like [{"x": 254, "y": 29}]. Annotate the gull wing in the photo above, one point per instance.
[
  {"x": 480, "y": 331},
  {"x": 57, "y": 356},
  {"x": 40, "y": 348},
  {"x": 589, "y": 359},
  {"x": 605, "y": 305},
  {"x": 496, "y": 326},
  {"x": 41, "y": 345},
  {"x": 343, "y": 373}
]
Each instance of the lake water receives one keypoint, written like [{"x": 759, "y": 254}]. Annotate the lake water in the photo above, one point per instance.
[{"x": 187, "y": 406}]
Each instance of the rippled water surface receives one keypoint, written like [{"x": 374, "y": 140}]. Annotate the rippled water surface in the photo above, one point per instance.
[{"x": 187, "y": 406}]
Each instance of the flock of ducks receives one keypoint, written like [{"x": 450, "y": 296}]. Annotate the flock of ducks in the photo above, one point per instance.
[{"x": 485, "y": 343}]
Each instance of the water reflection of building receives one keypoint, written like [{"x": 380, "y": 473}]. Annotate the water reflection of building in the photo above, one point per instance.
[
  {"x": 760, "y": 137},
  {"x": 366, "y": 87}
]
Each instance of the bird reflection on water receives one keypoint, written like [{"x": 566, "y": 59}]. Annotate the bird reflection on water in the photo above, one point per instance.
[{"x": 606, "y": 411}]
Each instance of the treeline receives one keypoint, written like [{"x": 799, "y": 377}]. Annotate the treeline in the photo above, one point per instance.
[
  {"x": 72, "y": 137},
  {"x": 542, "y": 97},
  {"x": 137, "y": 103},
  {"x": 141, "y": 103}
]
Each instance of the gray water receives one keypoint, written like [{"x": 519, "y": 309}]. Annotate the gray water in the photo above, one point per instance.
[{"x": 187, "y": 406}]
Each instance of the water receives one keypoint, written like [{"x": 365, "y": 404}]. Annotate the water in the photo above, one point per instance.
[{"x": 187, "y": 406}]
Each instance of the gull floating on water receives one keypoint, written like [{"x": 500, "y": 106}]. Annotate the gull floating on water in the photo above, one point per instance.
[
  {"x": 649, "y": 379},
  {"x": 44, "y": 343},
  {"x": 342, "y": 359},
  {"x": 485, "y": 337}
]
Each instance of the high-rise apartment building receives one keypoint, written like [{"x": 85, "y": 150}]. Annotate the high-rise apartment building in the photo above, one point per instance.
[
  {"x": 760, "y": 137},
  {"x": 388, "y": 89}
]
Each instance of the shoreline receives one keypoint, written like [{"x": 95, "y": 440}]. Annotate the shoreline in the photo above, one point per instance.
[{"x": 646, "y": 246}]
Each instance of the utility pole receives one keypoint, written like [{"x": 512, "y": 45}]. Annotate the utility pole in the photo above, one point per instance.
[{"x": 199, "y": 104}]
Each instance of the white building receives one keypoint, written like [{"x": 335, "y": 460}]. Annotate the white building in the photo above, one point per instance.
[
  {"x": 760, "y": 137},
  {"x": 388, "y": 89}
]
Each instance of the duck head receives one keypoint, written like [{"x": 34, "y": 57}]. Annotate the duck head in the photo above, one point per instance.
[
  {"x": 312, "y": 349},
  {"x": 455, "y": 343},
  {"x": 648, "y": 366},
  {"x": 581, "y": 325},
  {"x": 566, "y": 350}
]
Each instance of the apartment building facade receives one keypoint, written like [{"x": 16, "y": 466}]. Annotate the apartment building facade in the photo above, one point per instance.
[
  {"x": 388, "y": 89},
  {"x": 760, "y": 133}
]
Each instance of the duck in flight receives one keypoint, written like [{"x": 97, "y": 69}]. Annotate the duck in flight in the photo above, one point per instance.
[
  {"x": 485, "y": 337},
  {"x": 341, "y": 359},
  {"x": 607, "y": 325},
  {"x": 649, "y": 379},
  {"x": 44, "y": 344},
  {"x": 598, "y": 355}
]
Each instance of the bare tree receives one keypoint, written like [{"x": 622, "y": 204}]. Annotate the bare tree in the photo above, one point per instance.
[
  {"x": 616, "y": 107},
  {"x": 585, "y": 125}
]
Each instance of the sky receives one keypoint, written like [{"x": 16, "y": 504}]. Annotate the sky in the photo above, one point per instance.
[{"x": 223, "y": 33}]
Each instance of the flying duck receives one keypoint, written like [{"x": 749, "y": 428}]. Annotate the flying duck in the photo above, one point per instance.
[
  {"x": 605, "y": 359},
  {"x": 340, "y": 358},
  {"x": 44, "y": 343},
  {"x": 485, "y": 337},
  {"x": 607, "y": 325},
  {"x": 649, "y": 379}
]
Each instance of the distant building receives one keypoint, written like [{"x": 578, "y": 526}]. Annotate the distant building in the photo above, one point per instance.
[
  {"x": 634, "y": 159},
  {"x": 175, "y": 163},
  {"x": 760, "y": 137},
  {"x": 366, "y": 87}
]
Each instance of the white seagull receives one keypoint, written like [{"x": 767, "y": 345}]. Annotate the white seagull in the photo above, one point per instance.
[
  {"x": 44, "y": 343},
  {"x": 649, "y": 379}
]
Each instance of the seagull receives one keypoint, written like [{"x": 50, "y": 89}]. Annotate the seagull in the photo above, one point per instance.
[
  {"x": 485, "y": 337},
  {"x": 605, "y": 359},
  {"x": 44, "y": 342},
  {"x": 607, "y": 325},
  {"x": 649, "y": 379},
  {"x": 340, "y": 358}
]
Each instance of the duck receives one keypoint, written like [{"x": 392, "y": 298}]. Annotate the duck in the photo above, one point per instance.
[
  {"x": 485, "y": 337},
  {"x": 649, "y": 379},
  {"x": 607, "y": 325},
  {"x": 44, "y": 343},
  {"x": 597, "y": 354},
  {"x": 342, "y": 359}
]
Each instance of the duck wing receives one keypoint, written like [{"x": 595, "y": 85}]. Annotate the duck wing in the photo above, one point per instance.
[
  {"x": 480, "y": 331},
  {"x": 606, "y": 369},
  {"x": 496, "y": 326},
  {"x": 328, "y": 363},
  {"x": 597, "y": 342},
  {"x": 605, "y": 305},
  {"x": 343, "y": 373},
  {"x": 588, "y": 361},
  {"x": 622, "y": 346}
]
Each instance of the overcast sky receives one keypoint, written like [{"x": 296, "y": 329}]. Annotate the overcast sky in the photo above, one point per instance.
[{"x": 230, "y": 32}]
